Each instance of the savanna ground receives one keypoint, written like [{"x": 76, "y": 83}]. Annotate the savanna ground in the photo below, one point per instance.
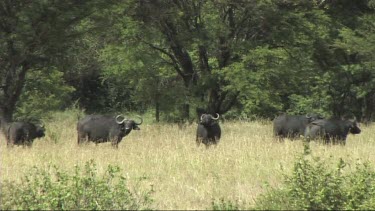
[{"x": 182, "y": 175}]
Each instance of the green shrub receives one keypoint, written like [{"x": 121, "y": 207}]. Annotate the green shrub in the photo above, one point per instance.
[
  {"x": 53, "y": 189},
  {"x": 223, "y": 204},
  {"x": 314, "y": 185}
]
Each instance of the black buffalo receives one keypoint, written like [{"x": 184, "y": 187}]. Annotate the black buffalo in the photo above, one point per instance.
[
  {"x": 331, "y": 130},
  {"x": 22, "y": 133},
  {"x": 292, "y": 126},
  {"x": 208, "y": 131},
  {"x": 105, "y": 128}
]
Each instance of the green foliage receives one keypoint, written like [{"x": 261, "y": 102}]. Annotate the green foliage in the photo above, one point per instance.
[
  {"x": 140, "y": 77},
  {"x": 222, "y": 204},
  {"x": 39, "y": 35},
  {"x": 54, "y": 189},
  {"x": 259, "y": 57},
  {"x": 300, "y": 104},
  {"x": 266, "y": 78},
  {"x": 44, "y": 91},
  {"x": 315, "y": 185}
]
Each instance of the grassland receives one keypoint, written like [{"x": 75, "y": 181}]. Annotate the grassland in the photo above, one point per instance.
[{"x": 183, "y": 175}]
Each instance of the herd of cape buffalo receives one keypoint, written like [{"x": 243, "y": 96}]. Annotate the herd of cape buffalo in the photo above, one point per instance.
[{"x": 109, "y": 128}]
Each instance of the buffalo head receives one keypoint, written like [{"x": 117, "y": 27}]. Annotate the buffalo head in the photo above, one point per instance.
[
  {"x": 40, "y": 131},
  {"x": 208, "y": 119},
  {"x": 128, "y": 124},
  {"x": 353, "y": 126}
]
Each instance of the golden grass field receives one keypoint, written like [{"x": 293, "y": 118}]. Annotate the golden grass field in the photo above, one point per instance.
[{"x": 184, "y": 176}]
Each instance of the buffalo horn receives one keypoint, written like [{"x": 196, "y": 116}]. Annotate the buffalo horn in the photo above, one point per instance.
[
  {"x": 354, "y": 119},
  {"x": 122, "y": 121},
  {"x": 216, "y": 117},
  {"x": 202, "y": 117},
  {"x": 140, "y": 119}
]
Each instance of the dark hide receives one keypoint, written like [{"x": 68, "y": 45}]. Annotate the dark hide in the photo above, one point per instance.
[
  {"x": 292, "y": 126},
  {"x": 208, "y": 131},
  {"x": 104, "y": 128},
  {"x": 23, "y": 133},
  {"x": 331, "y": 130}
]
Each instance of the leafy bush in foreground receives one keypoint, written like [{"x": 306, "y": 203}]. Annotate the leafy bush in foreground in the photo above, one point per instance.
[
  {"x": 314, "y": 185},
  {"x": 54, "y": 189}
]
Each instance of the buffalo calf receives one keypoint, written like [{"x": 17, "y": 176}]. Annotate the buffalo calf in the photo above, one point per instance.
[{"x": 208, "y": 131}]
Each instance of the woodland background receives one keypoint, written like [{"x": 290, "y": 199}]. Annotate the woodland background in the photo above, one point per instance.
[{"x": 244, "y": 59}]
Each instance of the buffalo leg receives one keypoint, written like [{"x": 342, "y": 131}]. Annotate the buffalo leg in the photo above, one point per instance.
[
  {"x": 79, "y": 139},
  {"x": 10, "y": 143},
  {"x": 82, "y": 138},
  {"x": 28, "y": 143},
  {"x": 11, "y": 140},
  {"x": 198, "y": 141},
  {"x": 326, "y": 140},
  {"x": 341, "y": 140},
  {"x": 216, "y": 140},
  {"x": 279, "y": 138},
  {"x": 207, "y": 143},
  {"x": 115, "y": 142}
]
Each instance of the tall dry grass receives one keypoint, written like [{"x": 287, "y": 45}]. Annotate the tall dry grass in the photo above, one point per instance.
[{"x": 183, "y": 175}]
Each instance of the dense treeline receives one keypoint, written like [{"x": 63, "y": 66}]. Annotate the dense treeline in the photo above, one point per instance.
[{"x": 239, "y": 58}]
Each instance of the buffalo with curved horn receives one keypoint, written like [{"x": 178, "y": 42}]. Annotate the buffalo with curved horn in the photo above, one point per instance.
[
  {"x": 105, "y": 128},
  {"x": 332, "y": 130},
  {"x": 208, "y": 131}
]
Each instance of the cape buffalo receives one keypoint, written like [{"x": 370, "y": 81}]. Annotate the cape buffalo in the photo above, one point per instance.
[
  {"x": 208, "y": 131},
  {"x": 292, "y": 126},
  {"x": 23, "y": 133},
  {"x": 335, "y": 130},
  {"x": 105, "y": 128}
]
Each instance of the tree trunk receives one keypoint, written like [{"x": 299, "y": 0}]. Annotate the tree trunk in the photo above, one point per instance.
[
  {"x": 11, "y": 91},
  {"x": 185, "y": 111},
  {"x": 157, "y": 111},
  {"x": 367, "y": 110},
  {"x": 6, "y": 114}
]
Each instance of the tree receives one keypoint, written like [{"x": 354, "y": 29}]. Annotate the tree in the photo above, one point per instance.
[
  {"x": 260, "y": 57},
  {"x": 44, "y": 91},
  {"x": 198, "y": 39},
  {"x": 35, "y": 34},
  {"x": 346, "y": 57}
]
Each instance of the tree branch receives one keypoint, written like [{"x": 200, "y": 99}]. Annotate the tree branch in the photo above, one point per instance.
[{"x": 165, "y": 52}]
